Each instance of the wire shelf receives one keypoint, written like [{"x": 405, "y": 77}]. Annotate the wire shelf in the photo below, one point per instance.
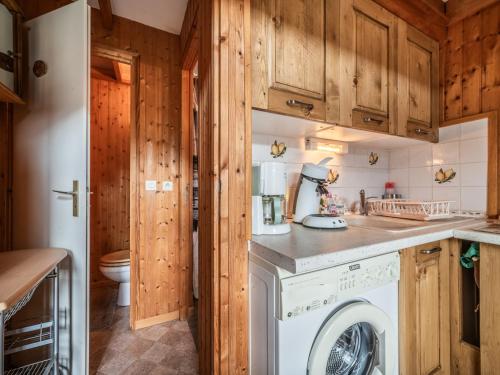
[
  {"x": 19, "y": 304},
  {"x": 37, "y": 368}
]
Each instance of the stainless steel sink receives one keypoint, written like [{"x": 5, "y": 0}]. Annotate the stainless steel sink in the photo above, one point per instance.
[{"x": 395, "y": 225}]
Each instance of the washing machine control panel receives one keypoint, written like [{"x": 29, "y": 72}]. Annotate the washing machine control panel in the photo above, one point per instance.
[{"x": 307, "y": 292}]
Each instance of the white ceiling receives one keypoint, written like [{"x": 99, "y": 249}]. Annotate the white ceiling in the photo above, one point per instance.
[{"x": 161, "y": 14}]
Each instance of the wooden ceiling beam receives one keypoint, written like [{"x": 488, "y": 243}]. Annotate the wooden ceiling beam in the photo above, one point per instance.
[{"x": 106, "y": 14}]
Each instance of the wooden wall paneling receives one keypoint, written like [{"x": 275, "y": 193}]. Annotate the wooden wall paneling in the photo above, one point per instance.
[
  {"x": 189, "y": 25},
  {"x": 35, "y": 8},
  {"x": 490, "y": 41},
  {"x": 189, "y": 60},
  {"x": 5, "y": 176},
  {"x": 490, "y": 311},
  {"x": 260, "y": 11},
  {"x": 465, "y": 358},
  {"x": 453, "y": 73},
  {"x": 225, "y": 113},
  {"x": 110, "y": 171},
  {"x": 457, "y": 10},
  {"x": 156, "y": 261},
  {"x": 471, "y": 70}
]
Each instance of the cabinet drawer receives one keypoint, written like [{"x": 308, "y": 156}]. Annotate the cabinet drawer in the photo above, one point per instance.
[
  {"x": 296, "y": 105},
  {"x": 369, "y": 121},
  {"x": 421, "y": 132}
]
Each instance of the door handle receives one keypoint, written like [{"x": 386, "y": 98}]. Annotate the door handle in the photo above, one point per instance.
[
  {"x": 431, "y": 251},
  {"x": 421, "y": 131},
  {"x": 306, "y": 107},
  {"x": 371, "y": 119},
  {"x": 74, "y": 195}
]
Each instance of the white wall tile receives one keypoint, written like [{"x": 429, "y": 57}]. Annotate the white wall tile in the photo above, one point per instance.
[
  {"x": 420, "y": 193},
  {"x": 474, "y": 175},
  {"x": 420, "y": 156},
  {"x": 474, "y": 199},
  {"x": 420, "y": 177},
  {"x": 445, "y": 153},
  {"x": 400, "y": 177},
  {"x": 474, "y": 129},
  {"x": 398, "y": 158},
  {"x": 447, "y": 194},
  {"x": 474, "y": 150},
  {"x": 449, "y": 133}
]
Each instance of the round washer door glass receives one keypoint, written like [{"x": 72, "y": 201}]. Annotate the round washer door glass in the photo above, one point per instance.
[
  {"x": 354, "y": 352},
  {"x": 358, "y": 339}
]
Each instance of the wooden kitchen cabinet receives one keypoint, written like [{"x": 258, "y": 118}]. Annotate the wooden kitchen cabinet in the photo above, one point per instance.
[
  {"x": 289, "y": 58},
  {"x": 418, "y": 84},
  {"x": 424, "y": 310},
  {"x": 368, "y": 58}
]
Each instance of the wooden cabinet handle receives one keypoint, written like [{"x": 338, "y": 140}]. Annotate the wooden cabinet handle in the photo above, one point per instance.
[
  {"x": 421, "y": 131},
  {"x": 307, "y": 107},
  {"x": 434, "y": 250},
  {"x": 371, "y": 119}
]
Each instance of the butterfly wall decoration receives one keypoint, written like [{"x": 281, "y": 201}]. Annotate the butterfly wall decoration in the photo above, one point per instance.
[{"x": 278, "y": 149}]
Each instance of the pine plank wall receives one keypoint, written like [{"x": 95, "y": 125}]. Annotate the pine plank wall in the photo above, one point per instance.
[
  {"x": 157, "y": 266},
  {"x": 109, "y": 172}
]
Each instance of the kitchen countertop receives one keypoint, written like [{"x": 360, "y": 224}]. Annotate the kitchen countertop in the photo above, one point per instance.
[
  {"x": 21, "y": 270},
  {"x": 305, "y": 249}
]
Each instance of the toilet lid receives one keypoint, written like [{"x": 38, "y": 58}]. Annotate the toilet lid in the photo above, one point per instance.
[{"x": 116, "y": 258}]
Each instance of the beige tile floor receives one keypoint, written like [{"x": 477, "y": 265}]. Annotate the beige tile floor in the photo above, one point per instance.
[{"x": 164, "y": 349}]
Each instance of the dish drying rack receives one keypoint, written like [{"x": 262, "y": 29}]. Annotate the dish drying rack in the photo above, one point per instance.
[
  {"x": 410, "y": 209},
  {"x": 32, "y": 336}
]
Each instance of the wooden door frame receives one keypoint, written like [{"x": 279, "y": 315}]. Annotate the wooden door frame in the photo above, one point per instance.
[
  {"x": 188, "y": 63},
  {"x": 131, "y": 58},
  {"x": 493, "y": 193}
]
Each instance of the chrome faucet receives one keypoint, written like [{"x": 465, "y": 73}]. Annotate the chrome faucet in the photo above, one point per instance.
[{"x": 363, "y": 203}]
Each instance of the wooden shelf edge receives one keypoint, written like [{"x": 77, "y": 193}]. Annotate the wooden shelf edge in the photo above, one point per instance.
[{"x": 6, "y": 95}]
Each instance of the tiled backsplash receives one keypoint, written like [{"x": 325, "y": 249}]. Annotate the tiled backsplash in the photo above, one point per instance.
[
  {"x": 355, "y": 172},
  {"x": 413, "y": 168},
  {"x": 461, "y": 147}
]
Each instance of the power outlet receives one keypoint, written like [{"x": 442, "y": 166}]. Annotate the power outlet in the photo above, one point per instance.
[
  {"x": 150, "y": 185},
  {"x": 168, "y": 186}
]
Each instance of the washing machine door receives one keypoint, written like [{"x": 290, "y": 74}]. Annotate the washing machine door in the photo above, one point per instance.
[{"x": 359, "y": 339}]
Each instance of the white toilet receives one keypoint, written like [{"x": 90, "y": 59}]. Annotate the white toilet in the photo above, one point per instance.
[{"x": 116, "y": 266}]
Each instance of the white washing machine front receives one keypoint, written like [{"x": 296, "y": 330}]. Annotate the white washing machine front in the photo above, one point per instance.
[{"x": 357, "y": 336}]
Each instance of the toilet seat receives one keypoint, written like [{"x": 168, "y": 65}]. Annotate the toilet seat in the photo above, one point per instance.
[{"x": 116, "y": 259}]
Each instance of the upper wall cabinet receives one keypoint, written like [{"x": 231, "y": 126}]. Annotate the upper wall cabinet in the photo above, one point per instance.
[
  {"x": 418, "y": 84},
  {"x": 10, "y": 47},
  {"x": 368, "y": 58},
  {"x": 289, "y": 56}
]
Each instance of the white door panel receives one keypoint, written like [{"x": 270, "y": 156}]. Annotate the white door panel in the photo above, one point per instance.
[{"x": 50, "y": 151}]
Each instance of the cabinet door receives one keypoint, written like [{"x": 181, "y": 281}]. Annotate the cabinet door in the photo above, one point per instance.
[
  {"x": 418, "y": 84},
  {"x": 368, "y": 56},
  {"x": 289, "y": 40},
  {"x": 299, "y": 47},
  {"x": 424, "y": 325}
]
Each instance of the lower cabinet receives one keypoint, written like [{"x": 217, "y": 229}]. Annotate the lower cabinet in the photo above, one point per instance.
[{"x": 424, "y": 309}]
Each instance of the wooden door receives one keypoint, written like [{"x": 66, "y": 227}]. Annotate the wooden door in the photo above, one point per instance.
[
  {"x": 368, "y": 60},
  {"x": 289, "y": 40},
  {"x": 424, "y": 325},
  {"x": 418, "y": 84},
  {"x": 489, "y": 308}
]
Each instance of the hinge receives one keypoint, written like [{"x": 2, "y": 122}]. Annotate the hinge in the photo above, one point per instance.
[{"x": 7, "y": 62}]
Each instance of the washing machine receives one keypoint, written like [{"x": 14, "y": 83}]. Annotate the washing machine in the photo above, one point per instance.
[{"x": 339, "y": 320}]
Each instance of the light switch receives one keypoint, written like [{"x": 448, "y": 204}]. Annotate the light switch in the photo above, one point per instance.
[
  {"x": 150, "y": 185},
  {"x": 168, "y": 186}
]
